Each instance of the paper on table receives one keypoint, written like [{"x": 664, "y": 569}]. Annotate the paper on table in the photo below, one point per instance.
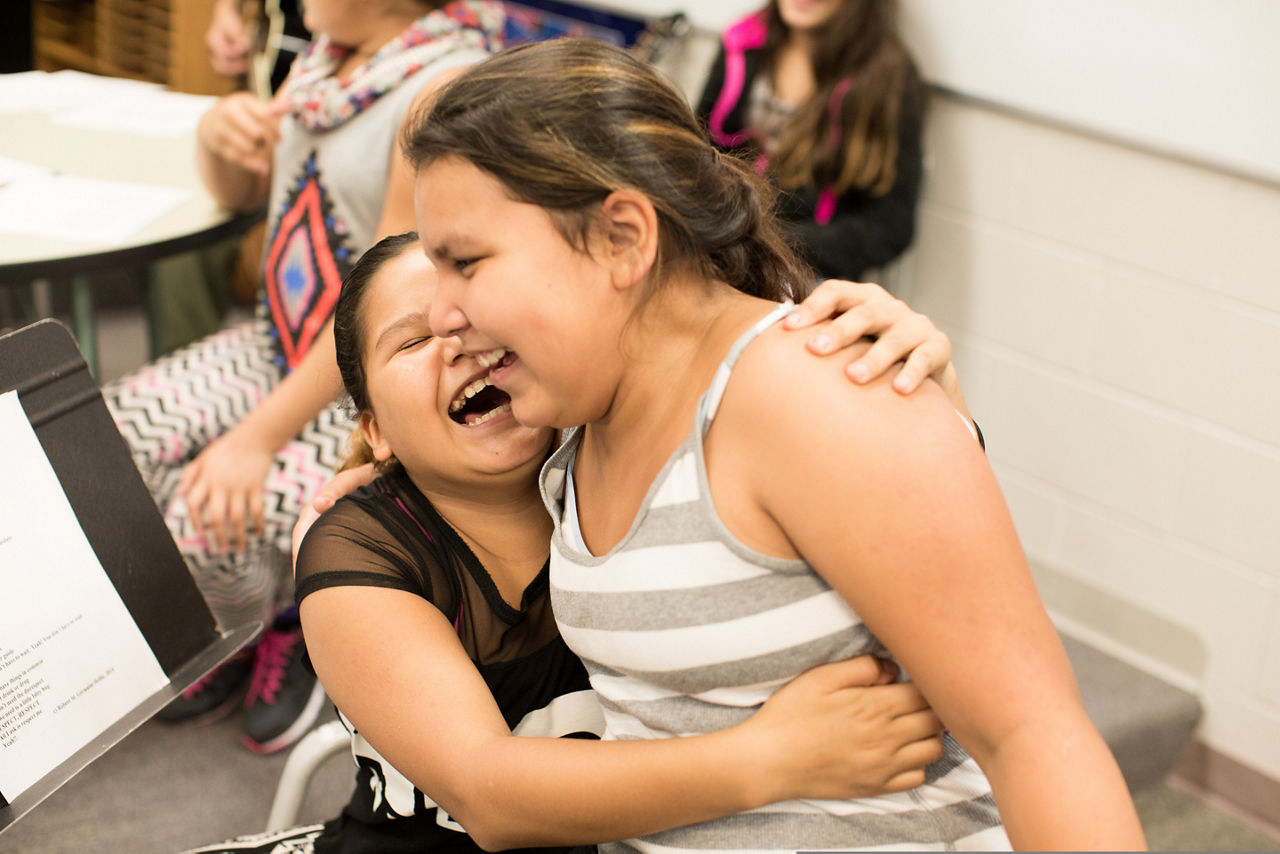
[
  {"x": 64, "y": 207},
  {"x": 24, "y": 91},
  {"x": 151, "y": 112},
  {"x": 103, "y": 103},
  {"x": 15, "y": 170},
  {"x": 72, "y": 660},
  {"x": 42, "y": 92}
]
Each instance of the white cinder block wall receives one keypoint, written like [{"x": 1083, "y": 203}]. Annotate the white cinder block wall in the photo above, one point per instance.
[
  {"x": 1115, "y": 317},
  {"x": 1116, "y": 322}
]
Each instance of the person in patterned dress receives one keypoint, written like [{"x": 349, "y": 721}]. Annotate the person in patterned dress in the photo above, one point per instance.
[{"x": 235, "y": 432}]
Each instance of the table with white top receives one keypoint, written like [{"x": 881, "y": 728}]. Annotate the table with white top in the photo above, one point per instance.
[{"x": 111, "y": 151}]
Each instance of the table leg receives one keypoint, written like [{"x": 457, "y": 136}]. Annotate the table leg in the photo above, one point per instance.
[
  {"x": 83, "y": 325},
  {"x": 151, "y": 298},
  {"x": 9, "y": 313},
  {"x": 41, "y": 298}
]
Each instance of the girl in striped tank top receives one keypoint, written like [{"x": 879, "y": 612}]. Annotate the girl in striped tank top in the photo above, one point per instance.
[
  {"x": 426, "y": 605},
  {"x": 733, "y": 513}
]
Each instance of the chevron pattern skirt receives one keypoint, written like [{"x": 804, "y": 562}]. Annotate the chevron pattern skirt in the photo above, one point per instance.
[{"x": 170, "y": 409}]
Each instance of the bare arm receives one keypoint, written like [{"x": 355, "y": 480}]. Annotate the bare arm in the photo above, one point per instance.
[
  {"x": 223, "y": 485},
  {"x": 236, "y": 139},
  {"x": 924, "y": 550},
  {"x": 391, "y": 661},
  {"x": 397, "y": 209}
]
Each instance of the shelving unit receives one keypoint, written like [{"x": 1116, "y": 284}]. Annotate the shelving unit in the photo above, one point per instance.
[{"x": 157, "y": 40}]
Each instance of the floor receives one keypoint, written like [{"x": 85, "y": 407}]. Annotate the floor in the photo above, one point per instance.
[
  {"x": 165, "y": 788},
  {"x": 122, "y": 342},
  {"x": 1176, "y": 819}
]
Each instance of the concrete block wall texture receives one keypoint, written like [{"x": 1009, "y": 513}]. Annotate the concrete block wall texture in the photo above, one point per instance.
[
  {"x": 1115, "y": 316},
  {"x": 1116, "y": 322}
]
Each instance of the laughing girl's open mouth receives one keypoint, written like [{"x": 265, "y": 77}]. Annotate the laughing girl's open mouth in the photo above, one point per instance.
[{"x": 478, "y": 402}]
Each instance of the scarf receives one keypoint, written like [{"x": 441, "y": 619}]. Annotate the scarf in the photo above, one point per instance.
[{"x": 320, "y": 101}]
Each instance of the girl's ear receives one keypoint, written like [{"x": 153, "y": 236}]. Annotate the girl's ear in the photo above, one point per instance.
[
  {"x": 630, "y": 236},
  {"x": 373, "y": 437}
]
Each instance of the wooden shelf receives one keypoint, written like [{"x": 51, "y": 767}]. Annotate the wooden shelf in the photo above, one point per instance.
[
  {"x": 52, "y": 55},
  {"x": 157, "y": 40}
]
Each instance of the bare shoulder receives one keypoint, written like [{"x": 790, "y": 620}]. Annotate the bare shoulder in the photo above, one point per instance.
[
  {"x": 810, "y": 417},
  {"x": 787, "y": 385},
  {"x": 795, "y": 442}
]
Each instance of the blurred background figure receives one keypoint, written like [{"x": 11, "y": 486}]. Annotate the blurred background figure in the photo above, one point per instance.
[
  {"x": 257, "y": 39},
  {"x": 824, "y": 98},
  {"x": 234, "y": 432}
]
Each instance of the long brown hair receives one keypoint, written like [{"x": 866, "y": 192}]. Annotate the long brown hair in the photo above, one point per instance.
[
  {"x": 846, "y": 134},
  {"x": 563, "y": 123}
]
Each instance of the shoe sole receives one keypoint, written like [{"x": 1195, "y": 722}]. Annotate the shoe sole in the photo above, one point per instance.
[{"x": 310, "y": 714}]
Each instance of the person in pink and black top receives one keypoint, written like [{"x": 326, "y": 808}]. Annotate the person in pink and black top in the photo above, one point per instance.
[{"x": 824, "y": 98}]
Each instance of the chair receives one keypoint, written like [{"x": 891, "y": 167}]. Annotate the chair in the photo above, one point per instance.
[{"x": 306, "y": 757}]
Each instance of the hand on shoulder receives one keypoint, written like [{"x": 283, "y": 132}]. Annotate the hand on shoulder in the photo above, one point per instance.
[{"x": 780, "y": 365}]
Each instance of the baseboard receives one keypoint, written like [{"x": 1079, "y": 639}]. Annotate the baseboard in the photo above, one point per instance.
[{"x": 1248, "y": 791}]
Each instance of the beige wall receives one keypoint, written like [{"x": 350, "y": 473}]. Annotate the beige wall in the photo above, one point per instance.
[{"x": 1116, "y": 322}]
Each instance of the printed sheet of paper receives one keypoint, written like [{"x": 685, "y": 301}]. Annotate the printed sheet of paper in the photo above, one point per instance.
[
  {"x": 72, "y": 660},
  {"x": 12, "y": 171},
  {"x": 64, "y": 207},
  {"x": 95, "y": 101},
  {"x": 45, "y": 92},
  {"x": 151, "y": 112},
  {"x": 25, "y": 91}
]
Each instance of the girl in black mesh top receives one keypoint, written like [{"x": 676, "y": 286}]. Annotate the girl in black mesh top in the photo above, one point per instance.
[{"x": 424, "y": 601}]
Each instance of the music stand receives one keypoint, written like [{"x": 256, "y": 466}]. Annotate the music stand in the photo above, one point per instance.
[{"x": 133, "y": 544}]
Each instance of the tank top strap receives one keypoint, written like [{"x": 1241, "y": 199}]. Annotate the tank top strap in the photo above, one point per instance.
[{"x": 709, "y": 403}]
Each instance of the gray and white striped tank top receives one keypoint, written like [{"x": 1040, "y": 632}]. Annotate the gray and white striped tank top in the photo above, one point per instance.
[{"x": 685, "y": 630}]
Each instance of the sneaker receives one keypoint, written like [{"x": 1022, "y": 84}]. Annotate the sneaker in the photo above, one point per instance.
[
  {"x": 285, "y": 698},
  {"x": 212, "y": 696}
]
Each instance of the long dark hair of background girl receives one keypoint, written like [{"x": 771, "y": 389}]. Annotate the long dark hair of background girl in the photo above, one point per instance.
[{"x": 860, "y": 44}]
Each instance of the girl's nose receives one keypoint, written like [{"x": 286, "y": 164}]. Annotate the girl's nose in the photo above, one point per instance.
[
  {"x": 451, "y": 349},
  {"x": 447, "y": 318}
]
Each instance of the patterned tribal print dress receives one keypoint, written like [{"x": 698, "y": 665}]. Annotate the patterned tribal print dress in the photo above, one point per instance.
[{"x": 329, "y": 179}]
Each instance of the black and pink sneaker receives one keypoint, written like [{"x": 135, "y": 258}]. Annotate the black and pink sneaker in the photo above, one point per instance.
[
  {"x": 213, "y": 696},
  {"x": 285, "y": 698}
]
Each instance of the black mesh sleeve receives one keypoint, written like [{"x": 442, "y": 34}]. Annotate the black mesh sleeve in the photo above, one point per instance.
[{"x": 351, "y": 545}]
